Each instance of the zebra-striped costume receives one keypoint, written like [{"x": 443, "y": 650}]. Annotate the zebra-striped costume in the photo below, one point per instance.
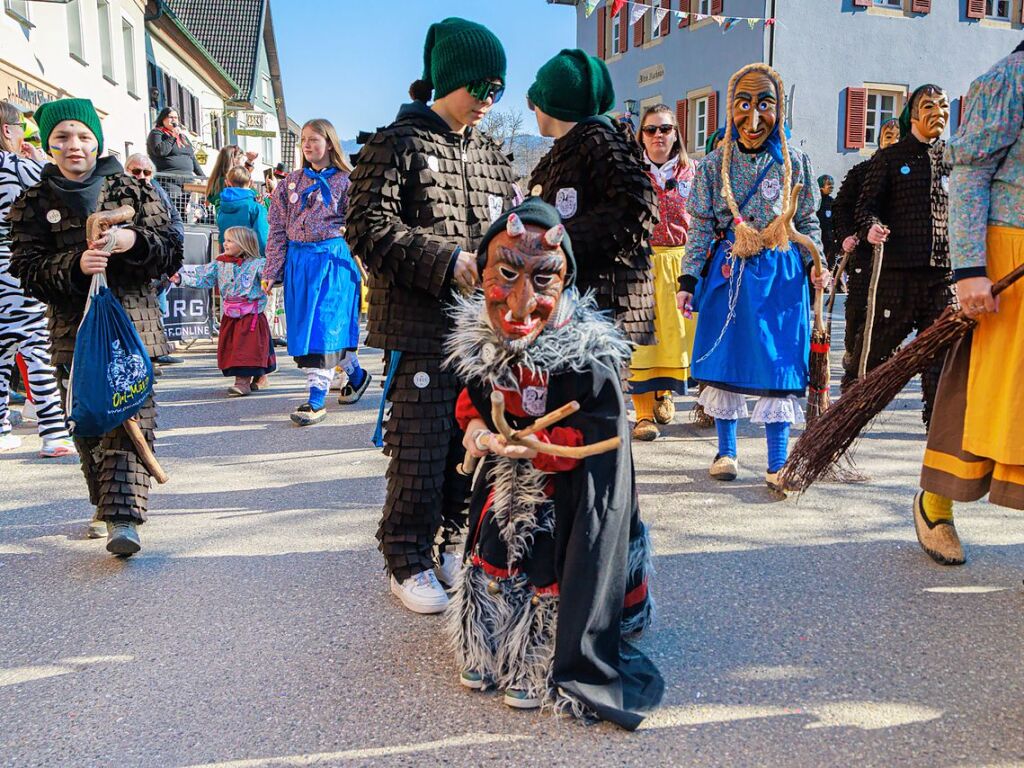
[{"x": 23, "y": 319}]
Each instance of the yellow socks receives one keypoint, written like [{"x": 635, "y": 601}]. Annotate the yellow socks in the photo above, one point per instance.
[
  {"x": 644, "y": 406},
  {"x": 938, "y": 509}
]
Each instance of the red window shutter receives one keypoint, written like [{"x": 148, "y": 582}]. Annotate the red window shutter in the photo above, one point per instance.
[
  {"x": 624, "y": 28},
  {"x": 666, "y": 24},
  {"x": 975, "y": 9},
  {"x": 856, "y": 117},
  {"x": 716, "y": 7},
  {"x": 712, "y": 112},
  {"x": 682, "y": 113},
  {"x": 961, "y": 112},
  {"x": 602, "y": 51},
  {"x": 638, "y": 31},
  {"x": 862, "y": 3},
  {"x": 921, "y": 6},
  {"x": 684, "y": 5}
]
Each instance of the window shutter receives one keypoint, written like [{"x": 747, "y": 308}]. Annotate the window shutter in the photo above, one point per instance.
[
  {"x": 961, "y": 112},
  {"x": 856, "y": 117},
  {"x": 638, "y": 31},
  {"x": 197, "y": 116},
  {"x": 862, "y": 3},
  {"x": 712, "y": 112},
  {"x": 716, "y": 7},
  {"x": 666, "y": 24},
  {"x": 921, "y": 6},
  {"x": 684, "y": 5},
  {"x": 975, "y": 9},
  {"x": 602, "y": 51},
  {"x": 682, "y": 113},
  {"x": 624, "y": 27}
]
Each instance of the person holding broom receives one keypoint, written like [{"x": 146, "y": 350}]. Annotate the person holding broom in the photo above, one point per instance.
[
  {"x": 976, "y": 440},
  {"x": 55, "y": 263}
]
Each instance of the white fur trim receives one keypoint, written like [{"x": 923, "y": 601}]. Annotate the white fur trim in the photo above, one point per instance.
[
  {"x": 720, "y": 404},
  {"x": 778, "y": 410}
]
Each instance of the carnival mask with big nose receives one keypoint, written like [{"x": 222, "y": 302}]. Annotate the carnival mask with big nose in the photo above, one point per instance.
[
  {"x": 930, "y": 115},
  {"x": 889, "y": 134},
  {"x": 755, "y": 109},
  {"x": 523, "y": 279}
]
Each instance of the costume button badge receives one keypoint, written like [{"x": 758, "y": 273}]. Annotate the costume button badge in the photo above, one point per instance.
[
  {"x": 567, "y": 202},
  {"x": 293, "y": 197},
  {"x": 433, "y": 164},
  {"x": 488, "y": 352},
  {"x": 905, "y": 170},
  {"x": 770, "y": 189},
  {"x": 291, "y": 185},
  {"x": 494, "y": 206},
  {"x": 944, "y": 181},
  {"x": 53, "y": 216},
  {"x": 421, "y": 379}
]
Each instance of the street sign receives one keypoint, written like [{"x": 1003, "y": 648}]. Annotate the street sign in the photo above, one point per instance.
[{"x": 254, "y": 124}]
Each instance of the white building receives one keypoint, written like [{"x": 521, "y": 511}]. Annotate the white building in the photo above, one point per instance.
[{"x": 91, "y": 49}]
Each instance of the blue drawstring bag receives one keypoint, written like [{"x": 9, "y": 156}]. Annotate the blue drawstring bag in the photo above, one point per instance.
[{"x": 111, "y": 374}]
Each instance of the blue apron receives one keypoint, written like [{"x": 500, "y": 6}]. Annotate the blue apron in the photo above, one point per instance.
[{"x": 322, "y": 295}]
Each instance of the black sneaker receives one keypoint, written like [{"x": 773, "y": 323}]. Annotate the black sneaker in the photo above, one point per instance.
[
  {"x": 305, "y": 415},
  {"x": 168, "y": 360},
  {"x": 123, "y": 538},
  {"x": 350, "y": 394}
]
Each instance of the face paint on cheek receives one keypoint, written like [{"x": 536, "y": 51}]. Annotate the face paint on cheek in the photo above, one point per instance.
[
  {"x": 94, "y": 151},
  {"x": 56, "y": 149}
]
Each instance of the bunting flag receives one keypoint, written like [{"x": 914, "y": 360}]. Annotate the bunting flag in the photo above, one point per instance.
[
  {"x": 589, "y": 6},
  {"x": 636, "y": 13},
  {"x": 729, "y": 23},
  {"x": 719, "y": 20},
  {"x": 698, "y": 16},
  {"x": 617, "y": 5},
  {"x": 638, "y": 9},
  {"x": 752, "y": 23},
  {"x": 659, "y": 16}
]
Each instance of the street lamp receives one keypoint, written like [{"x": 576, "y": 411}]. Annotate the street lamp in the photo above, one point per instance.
[{"x": 631, "y": 108}]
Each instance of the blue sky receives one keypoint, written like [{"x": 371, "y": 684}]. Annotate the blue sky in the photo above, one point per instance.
[{"x": 352, "y": 62}]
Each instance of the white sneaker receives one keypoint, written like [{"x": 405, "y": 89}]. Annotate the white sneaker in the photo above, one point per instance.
[
  {"x": 421, "y": 593},
  {"x": 724, "y": 468},
  {"x": 54, "y": 449},
  {"x": 9, "y": 441},
  {"x": 448, "y": 571},
  {"x": 28, "y": 411}
]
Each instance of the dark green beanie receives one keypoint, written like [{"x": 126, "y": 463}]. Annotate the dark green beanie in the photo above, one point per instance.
[
  {"x": 458, "y": 52},
  {"x": 53, "y": 112},
  {"x": 573, "y": 86},
  {"x": 533, "y": 210},
  {"x": 905, "y": 117}
]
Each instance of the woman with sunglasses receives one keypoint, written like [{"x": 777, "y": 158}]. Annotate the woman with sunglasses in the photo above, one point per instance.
[
  {"x": 424, "y": 191},
  {"x": 661, "y": 370}
]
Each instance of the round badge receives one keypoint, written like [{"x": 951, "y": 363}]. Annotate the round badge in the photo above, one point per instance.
[
  {"x": 53, "y": 216},
  {"x": 770, "y": 189},
  {"x": 488, "y": 352},
  {"x": 293, "y": 197},
  {"x": 291, "y": 185},
  {"x": 421, "y": 380},
  {"x": 945, "y": 184},
  {"x": 828, "y": 214},
  {"x": 905, "y": 170},
  {"x": 433, "y": 164},
  {"x": 726, "y": 270}
]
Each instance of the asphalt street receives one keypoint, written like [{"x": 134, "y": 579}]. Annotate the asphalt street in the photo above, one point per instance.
[{"x": 255, "y": 629}]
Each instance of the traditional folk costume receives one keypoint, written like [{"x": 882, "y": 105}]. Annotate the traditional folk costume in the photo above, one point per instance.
[
  {"x": 23, "y": 326},
  {"x": 306, "y": 249},
  {"x": 752, "y": 298},
  {"x": 48, "y": 239},
  {"x": 976, "y": 440},
  {"x": 539, "y": 611},
  {"x": 905, "y": 188},
  {"x": 658, "y": 371},
  {"x": 421, "y": 194},
  {"x": 244, "y": 347}
]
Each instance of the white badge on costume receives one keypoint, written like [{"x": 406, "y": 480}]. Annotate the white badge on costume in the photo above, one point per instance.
[
  {"x": 770, "y": 189},
  {"x": 293, "y": 197},
  {"x": 433, "y": 164},
  {"x": 488, "y": 352},
  {"x": 945, "y": 184},
  {"x": 53, "y": 216},
  {"x": 566, "y": 201},
  {"x": 684, "y": 189},
  {"x": 494, "y": 206},
  {"x": 828, "y": 214},
  {"x": 291, "y": 185},
  {"x": 535, "y": 400},
  {"x": 421, "y": 379}
]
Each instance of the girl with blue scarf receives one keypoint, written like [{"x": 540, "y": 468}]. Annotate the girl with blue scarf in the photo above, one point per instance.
[
  {"x": 322, "y": 280},
  {"x": 745, "y": 278}
]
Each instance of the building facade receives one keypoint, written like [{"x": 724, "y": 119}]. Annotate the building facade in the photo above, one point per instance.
[
  {"x": 848, "y": 65},
  {"x": 91, "y": 49}
]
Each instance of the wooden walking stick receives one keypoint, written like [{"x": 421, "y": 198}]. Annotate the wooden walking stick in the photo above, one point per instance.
[
  {"x": 878, "y": 255},
  {"x": 100, "y": 234}
]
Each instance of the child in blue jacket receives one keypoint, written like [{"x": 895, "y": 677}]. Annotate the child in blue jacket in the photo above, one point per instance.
[{"x": 239, "y": 207}]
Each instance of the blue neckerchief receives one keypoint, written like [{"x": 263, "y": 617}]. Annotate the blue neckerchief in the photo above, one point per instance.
[
  {"x": 773, "y": 143},
  {"x": 319, "y": 182}
]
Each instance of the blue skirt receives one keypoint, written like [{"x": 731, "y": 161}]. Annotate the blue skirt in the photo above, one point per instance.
[
  {"x": 766, "y": 345},
  {"x": 322, "y": 289}
]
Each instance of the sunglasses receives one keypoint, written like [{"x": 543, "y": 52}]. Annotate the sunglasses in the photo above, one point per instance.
[
  {"x": 140, "y": 172},
  {"x": 482, "y": 90},
  {"x": 664, "y": 130}
]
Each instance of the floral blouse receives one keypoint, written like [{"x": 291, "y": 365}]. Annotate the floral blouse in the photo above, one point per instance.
[
  {"x": 241, "y": 281},
  {"x": 673, "y": 183}
]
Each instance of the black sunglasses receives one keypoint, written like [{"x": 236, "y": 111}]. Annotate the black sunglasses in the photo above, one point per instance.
[
  {"x": 140, "y": 172},
  {"x": 664, "y": 130},
  {"x": 482, "y": 90}
]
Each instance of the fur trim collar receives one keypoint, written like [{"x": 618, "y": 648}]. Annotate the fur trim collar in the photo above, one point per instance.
[{"x": 577, "y": 336}]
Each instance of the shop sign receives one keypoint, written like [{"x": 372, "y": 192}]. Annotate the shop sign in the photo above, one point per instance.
[{"x": 651, "y": 75}]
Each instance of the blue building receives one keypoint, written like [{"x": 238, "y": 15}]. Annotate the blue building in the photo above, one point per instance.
[{"x": 848, "y": 65}]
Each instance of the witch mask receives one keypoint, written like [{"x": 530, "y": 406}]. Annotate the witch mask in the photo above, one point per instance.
[
  {"x": 755, "y": 108},
  {"x": 930, "y": 114},
  {"x": 523, "y": 279}
]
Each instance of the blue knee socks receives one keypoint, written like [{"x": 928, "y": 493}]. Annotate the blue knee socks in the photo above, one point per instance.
[
  {"x": 317, "y": 398},
  {"x": 356, "y": 374},
  {"x": 726, "y": 437},
  {"x": 778, "y": 444}
]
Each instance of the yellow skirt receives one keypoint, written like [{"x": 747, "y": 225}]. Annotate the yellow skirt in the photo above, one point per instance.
[
  {"x": 993, "y": 424},
  {"x": 665, "y": 366}
]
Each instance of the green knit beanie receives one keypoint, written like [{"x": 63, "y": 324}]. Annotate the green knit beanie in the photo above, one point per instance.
[
  {"x": 458, "y": 52},
  {"x": 533, "y": 210},
  {"x": 572, "y": 86},
  {"x": 52, "y": 112}
]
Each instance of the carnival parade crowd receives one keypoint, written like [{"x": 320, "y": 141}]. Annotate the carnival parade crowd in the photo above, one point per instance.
[{"x": 516, "y": 316}]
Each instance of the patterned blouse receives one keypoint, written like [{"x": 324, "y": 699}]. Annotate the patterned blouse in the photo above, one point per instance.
[
  {"x": 673, "y": 183},
  {"x": 290, "y": 222},
  {"x": 710, "y": 210},
  {"x": 987, "y": 155},
  {"x": 241, "y": 281}
]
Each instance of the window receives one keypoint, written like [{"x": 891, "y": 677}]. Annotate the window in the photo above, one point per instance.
[
  {"x": 890, "y": 3},
  {"x": 616, "y": 34},
  {"x": 997, "y": 9},
  {"x": 106, "y": 52},
  {"x": 268, "y": 151},
  {"x": 704, "y": 7},
  {"x": 216, "y": 135},
  {"x": 655, "y": 26},
  {"x": 18, "y": 9},
  {"x": 881, "y": 107},
  {"x": 700, "y": 122},
  {"x": 74, "y": 17},
  {"x": 268, "y": 91},
  {"x": 128, "y": 38}
]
